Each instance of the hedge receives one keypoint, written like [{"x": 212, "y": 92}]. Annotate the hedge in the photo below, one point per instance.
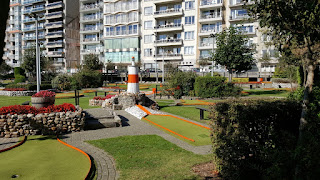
[
  {"x": 255, "y": 139},
  {"x": 29, "y": 87},
  {"x": 207, "y": 87}
]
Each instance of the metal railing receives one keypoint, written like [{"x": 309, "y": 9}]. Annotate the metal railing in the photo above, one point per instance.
[
  {"x": 90, "y": 6},
  {"x": 209, "y": 16},
  {"x": 31, "y": 1},
  {"x": 168, "y": 11},
  {"x": 93, "y": 28},
  {"x": 91, "y": 39},
  {"x": 207, "y": 30},
  {"x": 167, "y": 41},
  {"x": 169, "y": 55},
  {"x": 168, "y": 26},
  {"x": 54, "y": 24},
  {"x": 93, "y": 17},
  {"x": 237, "y": 17},
  {"x": 55, "y": 33},
  {"x": 205, "y": 3},
  {"x": 32, "y": 19},
  {"x": 54, "y": 14},
  {"x": 15, "y": 2},
  {"x": 54, "y": 4}
]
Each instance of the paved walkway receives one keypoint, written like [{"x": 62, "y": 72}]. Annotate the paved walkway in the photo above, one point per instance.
[
  {"x": 106, "y": 168},
  {"x": 8, "y": 142}
]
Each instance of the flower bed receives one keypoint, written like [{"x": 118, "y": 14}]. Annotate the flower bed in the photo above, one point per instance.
[
  {"x": 19, "y": 120},
  {"x": 98, "y": 100},
  {"x": 16, "y": 93},
  {"x": 43, "y": 99},
  {"x": 15, "y": 89}
]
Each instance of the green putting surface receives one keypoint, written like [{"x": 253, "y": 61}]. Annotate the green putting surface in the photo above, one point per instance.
[
  {"x": 42, "y": 157},
  {"x": 199, "y": 134}
]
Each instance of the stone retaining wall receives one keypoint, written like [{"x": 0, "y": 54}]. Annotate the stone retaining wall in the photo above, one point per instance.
[
  {"x": 93, "y": 102},
  {"x": 17, "y": 93},
  {"x": 47, "y": 123}
]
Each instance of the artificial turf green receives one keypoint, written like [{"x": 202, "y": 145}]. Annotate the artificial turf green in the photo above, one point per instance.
[
  {"x": 189, "y": 112},
  {"x": 150, "y": 157},
  {"x": 42, "y": 157},
  {"x": 199, "y": 134}
]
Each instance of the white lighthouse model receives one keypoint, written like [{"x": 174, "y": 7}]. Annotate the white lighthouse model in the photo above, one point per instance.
[{"x": 133, "y": 78}]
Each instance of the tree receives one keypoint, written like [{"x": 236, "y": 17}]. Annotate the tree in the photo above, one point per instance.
[
  {"x": 4, "y": 68},
  {"x": 232, "y": 51},
  {"x": 92, "y": 62},
  {"x": 295, "y": 26},
  {"x": 29, "y": 62}
]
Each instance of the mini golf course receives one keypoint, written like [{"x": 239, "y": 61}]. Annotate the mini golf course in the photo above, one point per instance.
[{"x": 43, "y": 157}]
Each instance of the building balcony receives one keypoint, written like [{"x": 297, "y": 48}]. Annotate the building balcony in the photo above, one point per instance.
[
  {"x": 168, "y": 27},
  {"x": 55, "y": 5},
  {"x": 207, "y": 31},
  {"x": 209, "y": 18},
  {"x": 168, "y": 13},
  {"x": 15, "y": 2},
  {"x": 239, "y": 17},
  {"x": 54, "y": 34},
  {"x": 54, "y": 15},
  {"x": 11, "y": 21},
  {"x": 91, "y": 18},
  {"x": 210, "y": 4},
  {"x": 11, "y": 48},
  {"x": 168, "y": 42},
  {"x": 31, "y": 1},
  {"x": 240, "y": 3},
  {"x": 28, "y": 47},
  {"x": 32, "y": 38},
  {"x": 91, "y": 8},
  {"x": 90, "y": 41},
  {"x": 165, "y": 1},
  {"x": 132, "y": 32},
  {"x": 12, "y": 39},
  {"x": 54, "y": 44},
  {"x": 205, "y": 56},
  {"x": 95, "y": 29},
  {"x": 54, "y": 25},
  {"x": 32, "y": 10},
  {"x": 55, "y": 54},
  {"x": 29, "y": 20},
  {"x": 205, "y": 45},
  {"x": 91, "y": 51},
  {"x": 165, "y": 56},
  {"x": 31, "y": 29}
]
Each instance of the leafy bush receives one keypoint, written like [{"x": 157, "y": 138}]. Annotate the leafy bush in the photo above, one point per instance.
[
  {"x": 207, "y": 87},
  {"x": 62, "y": 82},
  {"x": 29, "y": 87},
  {"x": 86, "y": 79},
  {"x": 19, "y": 79},
  {"x": 44, "y": 94},
  {"x": 18, "y": 71},
  {"x": 18, "y": 109},
  {"x": 255, "y": 139},
  {"x": 181, "y": 83}
]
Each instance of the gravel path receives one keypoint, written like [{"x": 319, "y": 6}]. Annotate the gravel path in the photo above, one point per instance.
[{"x": 8, "y": 142}]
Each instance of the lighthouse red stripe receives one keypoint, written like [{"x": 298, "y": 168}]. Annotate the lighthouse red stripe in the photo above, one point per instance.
[{"x": 133, "y": 78}]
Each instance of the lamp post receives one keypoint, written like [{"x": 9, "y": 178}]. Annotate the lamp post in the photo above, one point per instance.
[
  {"x": 38, "y": 71},
  {"x": 212, "y": 65},
  {"x": 155, "y": 54}
]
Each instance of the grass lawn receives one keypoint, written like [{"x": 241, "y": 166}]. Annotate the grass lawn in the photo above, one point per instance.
[
  {"x": 199, "y": 134},
  {"x": 43, "y": 158},
  {"x": 267, "y": 93},
  {"x": 164, "y": 103},
  {"x": 84, "y": 101},
  {"x": 150, "y": 157}
]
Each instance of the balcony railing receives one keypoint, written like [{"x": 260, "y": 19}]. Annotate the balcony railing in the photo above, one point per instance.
[
  {"x": 55, "y": 53},
  {"x": 32, "y": 19},
  {"x": 91, "y": 39},
  {"x": 169, "y": 55},
  {"x": 168, "y": 26},
  {"x": 32, "y": 28},
  {"x": 90, "y": 51},
  {"x": 54, "y": 4},
  {"x": 54, "y": 14},
  {"x": 90, "y": 6},
  {"x": 87, "y": 18},
  {"x": 15, "y": 2},
  {"x": 94, "y": 28},
  {"x": 55, "y": 33},
  {"x": 205, "y": 44},
  {"x": 33, "y": 37},
  {"x": 54, "y": 24},
  {"x": 239, "y": 17},
  {"x": 211, "y": 16},
  {"x": 207, "y": 3},
  {"x": 58, "y": 43},
  {"x": 122, "y": 33},
  {"x": 168, "y": 11},
  {"x": 167, "y": 41},
  {"x": 31, "y": 1}
]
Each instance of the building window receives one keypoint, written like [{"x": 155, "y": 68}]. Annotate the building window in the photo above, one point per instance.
[
  {"x": 147, "y": 39},
  {"x": 189, "y": 35},
  {"x": 148, "y": 11},
  {"x": 189, "y": 20},
  {"x": 148, "y": 25},
  {"x": 189, "y": 5},
  {"x": 148, "y": 52},
  {"x": 188, "y": 50}
]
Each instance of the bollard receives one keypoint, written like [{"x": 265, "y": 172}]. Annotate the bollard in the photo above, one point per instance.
[{"x": 95, "y": 93}]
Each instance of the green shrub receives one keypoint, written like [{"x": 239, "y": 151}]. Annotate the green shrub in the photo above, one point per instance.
[
  {"x": 62, "y": 82},
  {"x": 180, "y": 83},
  {"x": 207, "y": 87},
  {"x": 255, "y": 139},
  {"x": 30, "y": 87},
  {"x": 18, "y": 71},
  {"x": 87, "y": 79},
  {"x": 239, "y": 80},
  {"x": 19, "y": 78}
]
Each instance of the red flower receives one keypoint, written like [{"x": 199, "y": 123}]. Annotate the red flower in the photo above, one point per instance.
[
  {"x": 103, "y": 98},
  {"x": 17, "y": 109},
  {"x": 15, "y": 89},
  {"x": 45, "y": 94}
]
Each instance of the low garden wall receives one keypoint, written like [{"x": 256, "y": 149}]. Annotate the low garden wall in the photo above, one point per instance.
[
  {"x": 17, "y": 93},
  {"x": 44, "y": 123}
]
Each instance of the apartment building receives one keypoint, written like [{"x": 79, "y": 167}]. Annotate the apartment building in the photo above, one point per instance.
[
  {"x": 121, "y": 31},
  {"x": 58, "y": 30},
  {"x": 91, "y": 28},
  {"x": 13, "y": 49}
]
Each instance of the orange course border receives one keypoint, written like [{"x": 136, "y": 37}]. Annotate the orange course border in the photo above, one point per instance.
[
  {"x": 79, "y": 151},
  {"x": 169, "y": 130}
]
